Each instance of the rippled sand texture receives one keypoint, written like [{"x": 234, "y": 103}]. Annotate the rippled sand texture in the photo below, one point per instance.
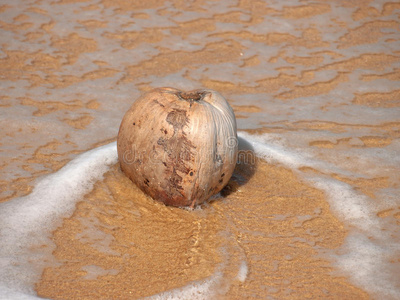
[
  {"x": 319, "y": 78},
  {"x": 121, "y": 244}
]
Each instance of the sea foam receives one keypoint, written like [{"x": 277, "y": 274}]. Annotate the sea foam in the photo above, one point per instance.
[
  {"x": 369, "y": 256},
  {"x": 27, "y": 222},
  {"x": 198, "y": 290}
]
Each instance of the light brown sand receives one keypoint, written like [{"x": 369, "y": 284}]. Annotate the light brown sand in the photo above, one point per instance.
[
  {"x": 155, "y": 248},
  {"x": 145, "y": 247}
]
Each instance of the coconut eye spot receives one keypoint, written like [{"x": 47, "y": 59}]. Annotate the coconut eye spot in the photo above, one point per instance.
[{"x": 192, "y": 96}]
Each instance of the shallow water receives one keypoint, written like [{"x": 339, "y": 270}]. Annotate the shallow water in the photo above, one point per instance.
[{"x": 315, "y": 89}]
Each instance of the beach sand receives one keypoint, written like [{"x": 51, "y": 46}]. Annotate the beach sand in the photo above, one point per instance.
[
  {"x": 317, "y": 79},
  {"x": 143, "y": 248}
]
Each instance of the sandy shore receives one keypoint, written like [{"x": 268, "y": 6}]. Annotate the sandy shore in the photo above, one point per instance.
[
  {"x": 142, "y": 248},
  {"x": 319, "y": 79}
]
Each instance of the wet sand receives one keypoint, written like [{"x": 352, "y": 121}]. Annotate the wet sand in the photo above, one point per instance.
[
  {"x": 143, "y": 248},
  {"x": 320, "y": 78}
]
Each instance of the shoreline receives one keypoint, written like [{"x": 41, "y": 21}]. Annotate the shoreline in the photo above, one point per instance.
[{"x": 314, "y": 86}]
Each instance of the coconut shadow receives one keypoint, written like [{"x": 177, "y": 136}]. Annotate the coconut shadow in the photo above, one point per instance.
[{"x": 245, "y": 168}]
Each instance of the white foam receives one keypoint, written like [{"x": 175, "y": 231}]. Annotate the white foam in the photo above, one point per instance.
[
  {"x": 7, "y": 293},
  {"x": 95, "y": 271},
  {"x": 198, "y": 290},
  {"x": 205, "y": 289},
  {"x": 27, "y": 222},
  {"x": 369, "y": 253},
  {"x": 270, "y": 152},
  {"x": 243, "y": 271},
  {"x": 369, "y": 265}
]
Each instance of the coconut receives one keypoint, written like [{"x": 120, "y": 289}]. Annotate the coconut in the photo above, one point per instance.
[{"x": 179, "y": 147}]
